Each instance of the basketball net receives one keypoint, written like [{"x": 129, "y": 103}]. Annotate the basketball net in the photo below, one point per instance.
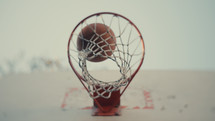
[{"x": 127, "y": 57}]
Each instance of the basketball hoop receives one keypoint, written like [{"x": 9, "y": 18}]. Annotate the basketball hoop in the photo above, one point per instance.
[{"x": 114, "y": 42}]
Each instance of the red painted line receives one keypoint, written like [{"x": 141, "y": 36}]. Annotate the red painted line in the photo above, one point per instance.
[
  {"x": 87, "y": 108},
  {"x": 63, "y": 105},
  {"x": 71, "y": 90},
  {"x": 136, "y": 107},
  {"x": 148, "y": 100},
  {"x": 146, "y": 94},
  {"x": 123, "y": 107}
]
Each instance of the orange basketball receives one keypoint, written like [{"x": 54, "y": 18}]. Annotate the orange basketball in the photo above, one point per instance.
[{"x": 99, "y": 39}]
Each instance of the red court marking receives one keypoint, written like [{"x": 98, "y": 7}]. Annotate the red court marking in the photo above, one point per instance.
[
  {"x": 146, "y": 94},
  {"x": 71, "y": 90},
  {"x": 90, "y": 107},
  {"x": 148, "y": 100},
  {"x": 63, "y": 105},
  {"x": 123, "y": 106},
  {"x": 136, "y": 107},
  {"x": 86, "y": 108}
]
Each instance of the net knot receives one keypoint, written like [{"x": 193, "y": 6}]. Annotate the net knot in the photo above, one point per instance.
[
  {"x": 82, "y": 55},
  {"x": 123, "y": 70}
]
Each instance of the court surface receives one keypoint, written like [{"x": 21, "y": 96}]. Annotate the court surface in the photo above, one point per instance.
[{"x": 152, "y": 96}]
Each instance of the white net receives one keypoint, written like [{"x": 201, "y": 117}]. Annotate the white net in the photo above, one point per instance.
[{"x": 126, "y": 57}]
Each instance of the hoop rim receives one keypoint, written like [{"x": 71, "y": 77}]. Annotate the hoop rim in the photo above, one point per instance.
[{"x": 97, "y": 14}]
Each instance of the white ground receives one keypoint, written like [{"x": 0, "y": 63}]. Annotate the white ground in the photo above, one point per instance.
[{"x": 176, "y": 96}]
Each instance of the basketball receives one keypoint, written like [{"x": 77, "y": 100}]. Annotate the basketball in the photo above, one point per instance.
[{"x": 98, "y": 39}]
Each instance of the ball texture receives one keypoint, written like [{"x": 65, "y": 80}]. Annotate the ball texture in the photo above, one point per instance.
[{"x": 98, "y": 39}]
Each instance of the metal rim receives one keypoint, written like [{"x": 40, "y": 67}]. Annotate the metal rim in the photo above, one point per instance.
[{"x": 97, "y": 14}]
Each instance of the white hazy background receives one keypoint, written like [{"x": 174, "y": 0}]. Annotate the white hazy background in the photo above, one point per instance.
[{"x": 178, "y": 34}]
